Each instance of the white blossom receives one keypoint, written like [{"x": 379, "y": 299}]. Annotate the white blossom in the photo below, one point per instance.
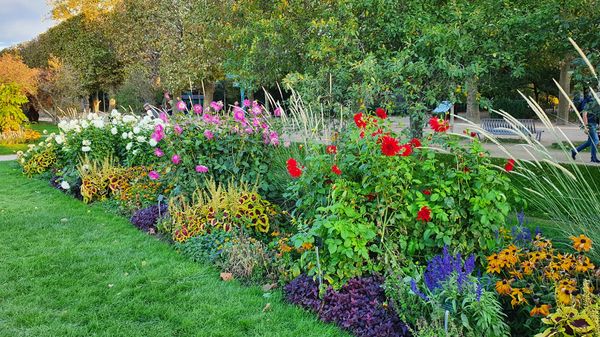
[
  {"x": 86, "y": 142},
  {"x": 152, "y": 142},
  {"x": 65, "y": 185},
  {"x": 136, "y": 130},
  {"x": 98, "y": 123},
  {"x": 128, "y": 146},
  {"x": 141, "y": 139},
  {"x": 86, "y": 149},
  {"x": 124, "y": 135},
  {"x": 114, "y": 131},
  {"x": 129, "y": 119}
]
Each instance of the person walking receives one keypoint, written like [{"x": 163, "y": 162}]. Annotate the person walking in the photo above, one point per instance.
[{"x": 591, "y": 116}]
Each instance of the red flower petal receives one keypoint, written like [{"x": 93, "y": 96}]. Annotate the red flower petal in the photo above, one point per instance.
[
  {"x": 424, "y": 214},
  {"x": 510, "y": 165},
  {"x": 359, "y": 121},
  {"x": 335, "y": 169},
  {"x": 380, "y": 112},
  {"x": 415, "y": 142},
  {"x": 389, "y": 146}
]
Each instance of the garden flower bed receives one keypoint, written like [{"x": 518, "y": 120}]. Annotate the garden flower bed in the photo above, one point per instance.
[{"x": 380, "y": 233}]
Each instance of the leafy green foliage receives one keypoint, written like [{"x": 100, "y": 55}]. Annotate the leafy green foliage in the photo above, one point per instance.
[{"x": 467, "y": 197}]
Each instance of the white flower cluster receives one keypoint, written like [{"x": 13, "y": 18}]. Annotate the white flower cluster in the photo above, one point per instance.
[{"x": 136, "y": 129}]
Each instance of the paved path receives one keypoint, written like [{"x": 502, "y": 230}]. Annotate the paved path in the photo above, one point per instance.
[
  {"x": 523, "y": 151},
  {"x": 8, "y": 157}
]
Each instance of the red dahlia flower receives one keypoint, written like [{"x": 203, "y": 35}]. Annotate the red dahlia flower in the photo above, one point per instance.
[
  {"x": 335, "y": 169},
  {"x": 405, "y": 150},
  {"x": 331, "y": 149},
  {"x": 389, "y": 146},
  {"x": 415, "y": 142},
  {"x": 438, "y": 124},
  {"x": 293, "y": 169},
  {"x": 424, "y": 214},
  {"x": 427, "y": 192},
  {"x": 510, "y": 165},
  {"x": 380, "y": 112},
  {"x": 360, "y": 122}
]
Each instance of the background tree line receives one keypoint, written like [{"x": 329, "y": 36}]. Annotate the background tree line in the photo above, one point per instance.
[{"x": 339, "y": 54}]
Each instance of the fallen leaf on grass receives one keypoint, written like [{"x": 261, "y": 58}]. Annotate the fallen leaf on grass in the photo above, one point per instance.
[
  {"x": 226, "y": 276},
  {"x": 269, "y": 287},
  {"x": 267, "y": 307}
]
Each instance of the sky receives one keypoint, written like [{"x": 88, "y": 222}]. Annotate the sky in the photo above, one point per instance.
[{"x": 22, "y": 20}]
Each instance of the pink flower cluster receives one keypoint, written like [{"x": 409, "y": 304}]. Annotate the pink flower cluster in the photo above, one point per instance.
[{"x": 159, "y": 133}]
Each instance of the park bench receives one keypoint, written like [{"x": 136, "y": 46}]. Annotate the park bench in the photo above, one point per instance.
[{"x": 500, "y": 127}]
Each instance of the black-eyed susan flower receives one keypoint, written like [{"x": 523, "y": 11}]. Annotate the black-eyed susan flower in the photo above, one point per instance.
[
  {"x": 503, "y": 287},
  {"x": 540, "y": 310},
  {"x": 581, "y": 243}
]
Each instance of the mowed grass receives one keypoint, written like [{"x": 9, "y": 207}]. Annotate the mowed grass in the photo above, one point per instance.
[{"x": 68, "y": 269}]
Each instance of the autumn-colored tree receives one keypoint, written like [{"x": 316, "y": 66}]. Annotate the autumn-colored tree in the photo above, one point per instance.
[
  {"x": 90, "y": 9},
  {"x": 14, "y": 70},
  {"x": 60, "y": 87}
]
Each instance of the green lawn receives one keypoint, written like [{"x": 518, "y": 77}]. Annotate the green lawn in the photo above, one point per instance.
[
  {"x": 39, "y": 127},
  {"x": 12, "y": 148},
  {"x": 68, "y": 269}
]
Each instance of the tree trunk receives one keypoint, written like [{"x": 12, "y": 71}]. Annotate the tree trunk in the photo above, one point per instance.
[
  {"x": 209, "y": 92},
  {"x": 96, "y": 107},
  {"x": 565, "y": 83},
  {"x": 472, "y": 103},
  {"x": 536, "y": 93},
  {"x": 417, "y": 121}
]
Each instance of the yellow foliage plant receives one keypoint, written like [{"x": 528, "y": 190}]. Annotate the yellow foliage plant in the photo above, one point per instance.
[
  {"x": 38, "y": 160},
  {"x": 220, "y": 207}
]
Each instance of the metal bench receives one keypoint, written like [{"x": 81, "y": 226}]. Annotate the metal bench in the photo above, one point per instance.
[{"x": 500, "y": 127}]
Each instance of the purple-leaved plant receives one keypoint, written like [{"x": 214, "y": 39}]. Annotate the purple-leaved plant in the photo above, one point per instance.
[
  {"x": 359, "y": 306},
  {"x": 146, "y": 218}
]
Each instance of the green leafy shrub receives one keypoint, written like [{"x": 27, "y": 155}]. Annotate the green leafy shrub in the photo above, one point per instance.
[
  {"x": 419, "y": 195},
  {"x": 207, "y": 247}
]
